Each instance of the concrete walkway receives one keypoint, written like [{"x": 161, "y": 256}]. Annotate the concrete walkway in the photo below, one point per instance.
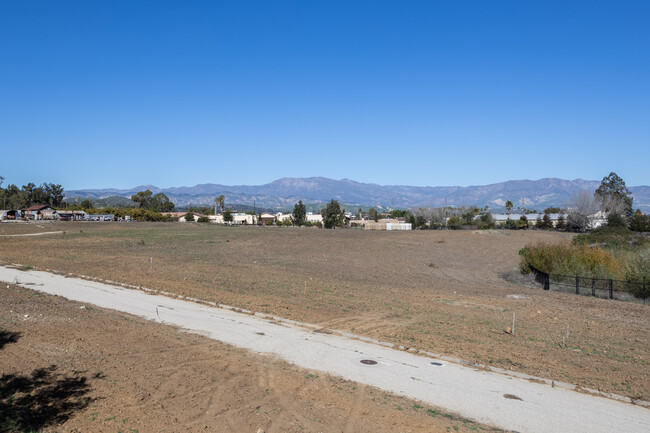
[{"x": 487, "y": 397}]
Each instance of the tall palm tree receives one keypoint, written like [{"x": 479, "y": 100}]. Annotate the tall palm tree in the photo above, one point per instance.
[
  {"x": 220, "y": 201},
  {"x": 509, "y": 206}
]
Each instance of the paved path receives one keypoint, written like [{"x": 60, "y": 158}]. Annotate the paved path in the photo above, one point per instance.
[
  {"x": 487, "y": 397},
  {"x": 32, "y": 234}
]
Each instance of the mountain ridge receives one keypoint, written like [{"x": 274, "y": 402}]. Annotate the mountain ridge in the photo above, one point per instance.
[{"x": 286, "y": 191}]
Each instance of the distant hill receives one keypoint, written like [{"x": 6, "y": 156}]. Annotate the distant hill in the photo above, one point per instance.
[{"x": 284, "y": 193}]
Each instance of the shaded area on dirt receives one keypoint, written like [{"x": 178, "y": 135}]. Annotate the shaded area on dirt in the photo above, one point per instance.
[
  {"x": 40, "y": 399},
  {"x": 7, "y": 337}
]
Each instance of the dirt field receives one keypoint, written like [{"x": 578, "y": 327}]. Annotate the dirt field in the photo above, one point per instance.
[
  {"x": 441, "y": 291},
  {"x": 65, "y": 366}
]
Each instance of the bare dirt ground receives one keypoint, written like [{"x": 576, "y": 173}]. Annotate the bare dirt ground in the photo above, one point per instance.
[
  {"x": 440, "y": 291},
  {"x": 65, "y": 366}
]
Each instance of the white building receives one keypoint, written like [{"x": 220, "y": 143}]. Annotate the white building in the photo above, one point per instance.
[
  {"x": 398, "y": 226},
  {"x": 314, "y": 218},
  {"x": 282, "y": 217},
  {"x": 243, "y": 218}
]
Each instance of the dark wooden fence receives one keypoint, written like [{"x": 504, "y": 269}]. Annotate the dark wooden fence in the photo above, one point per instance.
[{"x": 598, "y": 287}]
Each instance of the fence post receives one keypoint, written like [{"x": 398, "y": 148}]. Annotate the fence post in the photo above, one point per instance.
[
  {"x": 577, "y": 285},
  {"x": 611, "y": 289},
  {"x": 547, "y": 285},
  {"x": 593, "y": 287}
]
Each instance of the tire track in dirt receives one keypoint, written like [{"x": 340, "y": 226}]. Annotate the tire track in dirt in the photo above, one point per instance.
[
  {"x": 355, "y": 414},
  {"x": 290, "y": 413}
]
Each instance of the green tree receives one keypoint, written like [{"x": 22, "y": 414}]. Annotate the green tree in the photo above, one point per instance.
[
  {"x": 54, "y": 194},
  {"x": 157, "y": 203},
  {"x": 227, "y": 215},
  {"x": 299, "y": 214},
  {"x": 523, "y": 222},
  {"x": 613, "y": 196},
  {"x": 411, "y": 220},
  {"x": 189, "y": 216},
  {"x": 546, "y": 222},
  {"x": 161, "y": 203},
  {"x": 486, "y": 221},
  {"x": 372, "y": 213},
  {"x": 333, "y": 215},
  {"x": 616, "y": 220},
  {"x": 143, "y": 199},
  {"x": 468, "y": 218},
  {"x": 454, "y": 223},
  {"x": 640, "y": 222},
  {"x": 86, "y": 204},
  {"x": 420, "y": 222},
  {"x": 561, "y": 223},
  {"x": 509, "y": 206}
]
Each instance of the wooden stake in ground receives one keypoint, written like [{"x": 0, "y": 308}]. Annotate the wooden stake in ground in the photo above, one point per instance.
[{"x": 513, "y": 323}]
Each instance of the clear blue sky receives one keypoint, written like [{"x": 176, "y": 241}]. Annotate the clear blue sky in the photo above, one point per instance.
[{"x": 173, "y": 93}]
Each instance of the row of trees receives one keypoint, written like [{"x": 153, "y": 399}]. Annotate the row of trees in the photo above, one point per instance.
[
  {"x": 13, "y": 197},
  {"x": 333, "y": 215}
]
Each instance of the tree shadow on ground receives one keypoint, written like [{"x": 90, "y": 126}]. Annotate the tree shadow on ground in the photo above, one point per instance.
[
  {"x": 7, "y": 337},
  {"x": 40, "y": 399}
]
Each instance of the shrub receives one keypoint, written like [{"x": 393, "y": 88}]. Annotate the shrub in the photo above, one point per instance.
[
  {"x": 523, "y": 222},
  {"x": 640, "y": 222},
  {"x": 454, "y": 223},
  {"x": 203, "y": 219},
  {"x": 616, "y": 220},
  {"x": 546, "y": 222},
  {"x": 485, "y": 221},
  {"x": 570, "y": 259},
  {"x": 612, "y": 237},
  {"x": 638, "y": 272},
  {"x": 510, "y": 224}
]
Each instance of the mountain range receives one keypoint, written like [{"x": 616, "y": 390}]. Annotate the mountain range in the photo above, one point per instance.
[{"x": 284, "y": 193}]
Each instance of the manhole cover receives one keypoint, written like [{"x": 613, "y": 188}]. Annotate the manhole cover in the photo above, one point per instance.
[
  {"x": 368, "y": 361},
  {"x": 436, "y": 363}
]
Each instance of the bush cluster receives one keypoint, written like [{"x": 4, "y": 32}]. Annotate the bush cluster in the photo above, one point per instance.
[
  {"x": 614, "y": 237},
  {"x": 639, "y": 272},
  {"x": 136, "y": 214},
  {"x": 571, "y": 259},
  {"x": 640, "y": 222}
]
